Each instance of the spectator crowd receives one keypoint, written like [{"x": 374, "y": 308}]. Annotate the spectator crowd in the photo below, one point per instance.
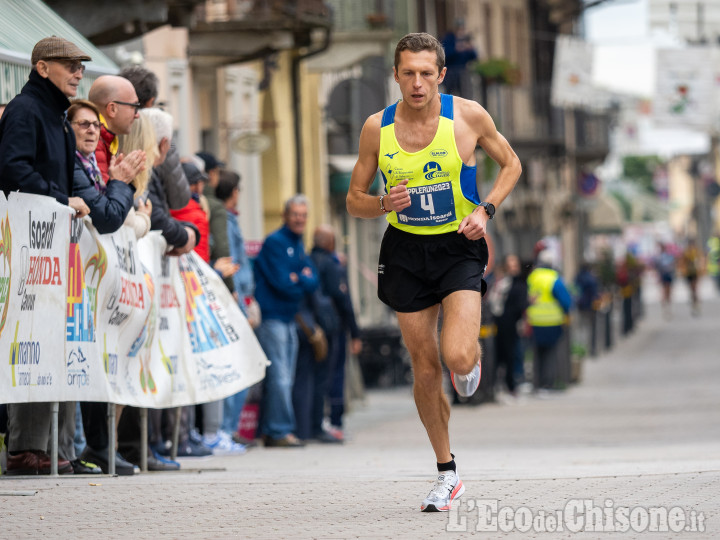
[{"x": 111, "y": 157}]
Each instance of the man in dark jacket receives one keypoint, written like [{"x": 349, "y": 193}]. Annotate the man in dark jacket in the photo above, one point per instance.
[
  {"x": 316, "y": 380},
  {"x": 283, "y": 276},
  {"x": 511, "y": 291},
  {"x": 37, "y": 146},
  {"x": 37, "y": 155},
  {"x": 181, "y": 236}
]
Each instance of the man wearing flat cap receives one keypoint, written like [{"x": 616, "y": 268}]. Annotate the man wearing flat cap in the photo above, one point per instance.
[{"x": 37, "y": 155}]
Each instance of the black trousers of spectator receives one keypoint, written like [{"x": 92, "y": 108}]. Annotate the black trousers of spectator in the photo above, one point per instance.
[{"x": 505, "y": 351}]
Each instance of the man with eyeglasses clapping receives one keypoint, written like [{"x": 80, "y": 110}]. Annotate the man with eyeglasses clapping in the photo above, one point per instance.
[{"x": 118, "y": 103}]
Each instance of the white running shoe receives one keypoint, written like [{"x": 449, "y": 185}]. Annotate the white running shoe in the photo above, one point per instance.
[
  {"x": 447, "y": 488},
  {"x": 223, "y": 445},
  {"x": 466, "y": 385}
]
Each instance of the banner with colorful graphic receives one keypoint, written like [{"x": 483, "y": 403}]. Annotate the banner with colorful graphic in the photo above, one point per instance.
[
  {"x": 113, "y": 318},
  {"x": 202, "y": 344},
  {"x": 35, "y": 233}
]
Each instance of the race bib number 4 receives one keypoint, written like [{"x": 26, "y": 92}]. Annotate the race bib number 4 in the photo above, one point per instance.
[{"x": 429, "y": 205}]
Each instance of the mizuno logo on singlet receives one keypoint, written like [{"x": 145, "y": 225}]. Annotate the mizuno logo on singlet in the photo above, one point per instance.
[{"x": 391, "y": 155}]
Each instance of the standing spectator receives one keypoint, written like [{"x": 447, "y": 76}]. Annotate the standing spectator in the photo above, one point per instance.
[
  {"x": 283, "y": 276},
  {"x": 348, "y": 323},
  {"x": 182, "y": 237},
  {"x": 109, "y": 205},
  {"x": 174, "y": 182},
  {"x": 588, "y": 297},
  {"x": 109, "y": 202},
  {"x": 713, "y": 259},
  {"x": 691, "y": 264},
  {"x": 228, "y": 192},
  {"x": 193, "y": 211},
  {"x": 141, "y": 137},
  {"x": 508, "y": 301},
  {"x": 459, "y": 52},
  {"x": 37, "y": 155},
  {"x": 329, "y": 376},
  {"x": 219, "y": 250},
  {"x": 665, "y": 266},
  {"x": 317, "y": 313},
  {"x": 549, "y": 302},
  {"x": 118, "y": 105},
  {"x": 219, "y": 246}
]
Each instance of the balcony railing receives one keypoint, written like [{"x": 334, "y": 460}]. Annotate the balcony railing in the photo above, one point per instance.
[
  {"x": 364, "y": 15},
  {"x": 263, "y": 12}
]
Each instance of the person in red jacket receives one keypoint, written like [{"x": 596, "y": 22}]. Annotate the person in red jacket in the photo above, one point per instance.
[{"x": 193, "y": 211}]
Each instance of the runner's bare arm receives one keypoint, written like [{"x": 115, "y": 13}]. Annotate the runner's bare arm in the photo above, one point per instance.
[
  {"x": 359, "y": 203},
  {"x": 496, "y": 146}
]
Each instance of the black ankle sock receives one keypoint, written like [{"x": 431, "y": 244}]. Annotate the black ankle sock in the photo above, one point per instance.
[{"x": 449, "y": 466}]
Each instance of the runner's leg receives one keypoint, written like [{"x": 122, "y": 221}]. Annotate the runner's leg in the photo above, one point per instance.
[
  {"x": 419, "y": 330},
  {"x": 460, "y": 331}
]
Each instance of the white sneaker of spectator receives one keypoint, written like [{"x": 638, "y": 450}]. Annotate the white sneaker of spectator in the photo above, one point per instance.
[{"x": 222, "y": 444}]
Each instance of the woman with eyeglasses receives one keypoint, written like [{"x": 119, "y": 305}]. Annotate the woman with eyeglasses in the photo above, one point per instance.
[{"x": 109, "y": 203}]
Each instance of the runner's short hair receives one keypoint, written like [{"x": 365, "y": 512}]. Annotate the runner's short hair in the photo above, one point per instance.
[{"x": 420, "y": 41}]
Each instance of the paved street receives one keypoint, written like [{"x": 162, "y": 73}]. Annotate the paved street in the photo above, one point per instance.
[{"x": 642, "y": 430}]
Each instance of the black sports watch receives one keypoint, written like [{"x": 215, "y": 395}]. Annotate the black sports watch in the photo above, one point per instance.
[{"x": 489, "y": 209}]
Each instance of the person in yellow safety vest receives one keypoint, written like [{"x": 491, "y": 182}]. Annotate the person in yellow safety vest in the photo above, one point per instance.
[
  {"x": 549, "y": 302},
  {"x": 713, "y": 259}
]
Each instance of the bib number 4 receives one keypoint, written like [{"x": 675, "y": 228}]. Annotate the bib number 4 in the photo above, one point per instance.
[
  {"x": 426, "y": 203},
  {"x": 430, "y": 205}
]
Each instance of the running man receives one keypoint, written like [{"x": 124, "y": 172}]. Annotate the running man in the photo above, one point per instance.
[{"x": 433, "y": 253}]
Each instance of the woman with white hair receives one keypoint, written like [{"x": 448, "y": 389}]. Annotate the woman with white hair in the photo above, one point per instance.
[{"x": 181, "y": 236}]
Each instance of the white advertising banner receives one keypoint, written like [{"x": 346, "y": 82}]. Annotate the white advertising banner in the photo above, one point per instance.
[
  {"x": 35, "y": 237},
  {"x": 572, "y": 74},
  {"x": 90, "y": 317},
  {"x": 685, "y": 93}
]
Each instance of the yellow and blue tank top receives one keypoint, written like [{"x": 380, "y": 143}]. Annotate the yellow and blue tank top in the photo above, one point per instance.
[{"x": 443, "y": 190}]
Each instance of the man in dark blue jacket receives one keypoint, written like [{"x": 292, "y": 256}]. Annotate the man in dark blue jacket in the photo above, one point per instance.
[
  {"x": 283, "y": 275},
  {"x": 37, "y": 155},
  {"x": 315, "y": 380},
  {"x": 37, "y": 146}
]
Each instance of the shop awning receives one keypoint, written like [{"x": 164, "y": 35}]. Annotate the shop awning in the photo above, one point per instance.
[{"x": 25, "y": 22}]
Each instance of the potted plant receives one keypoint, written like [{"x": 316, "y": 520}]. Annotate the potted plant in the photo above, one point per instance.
[{"x": 498, "y": 71}]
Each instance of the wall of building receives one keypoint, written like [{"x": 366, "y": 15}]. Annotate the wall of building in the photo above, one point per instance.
[{"x": 164, "y": 52}]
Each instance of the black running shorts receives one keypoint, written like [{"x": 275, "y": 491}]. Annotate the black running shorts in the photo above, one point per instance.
[{"x": 417, "y": 271}]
